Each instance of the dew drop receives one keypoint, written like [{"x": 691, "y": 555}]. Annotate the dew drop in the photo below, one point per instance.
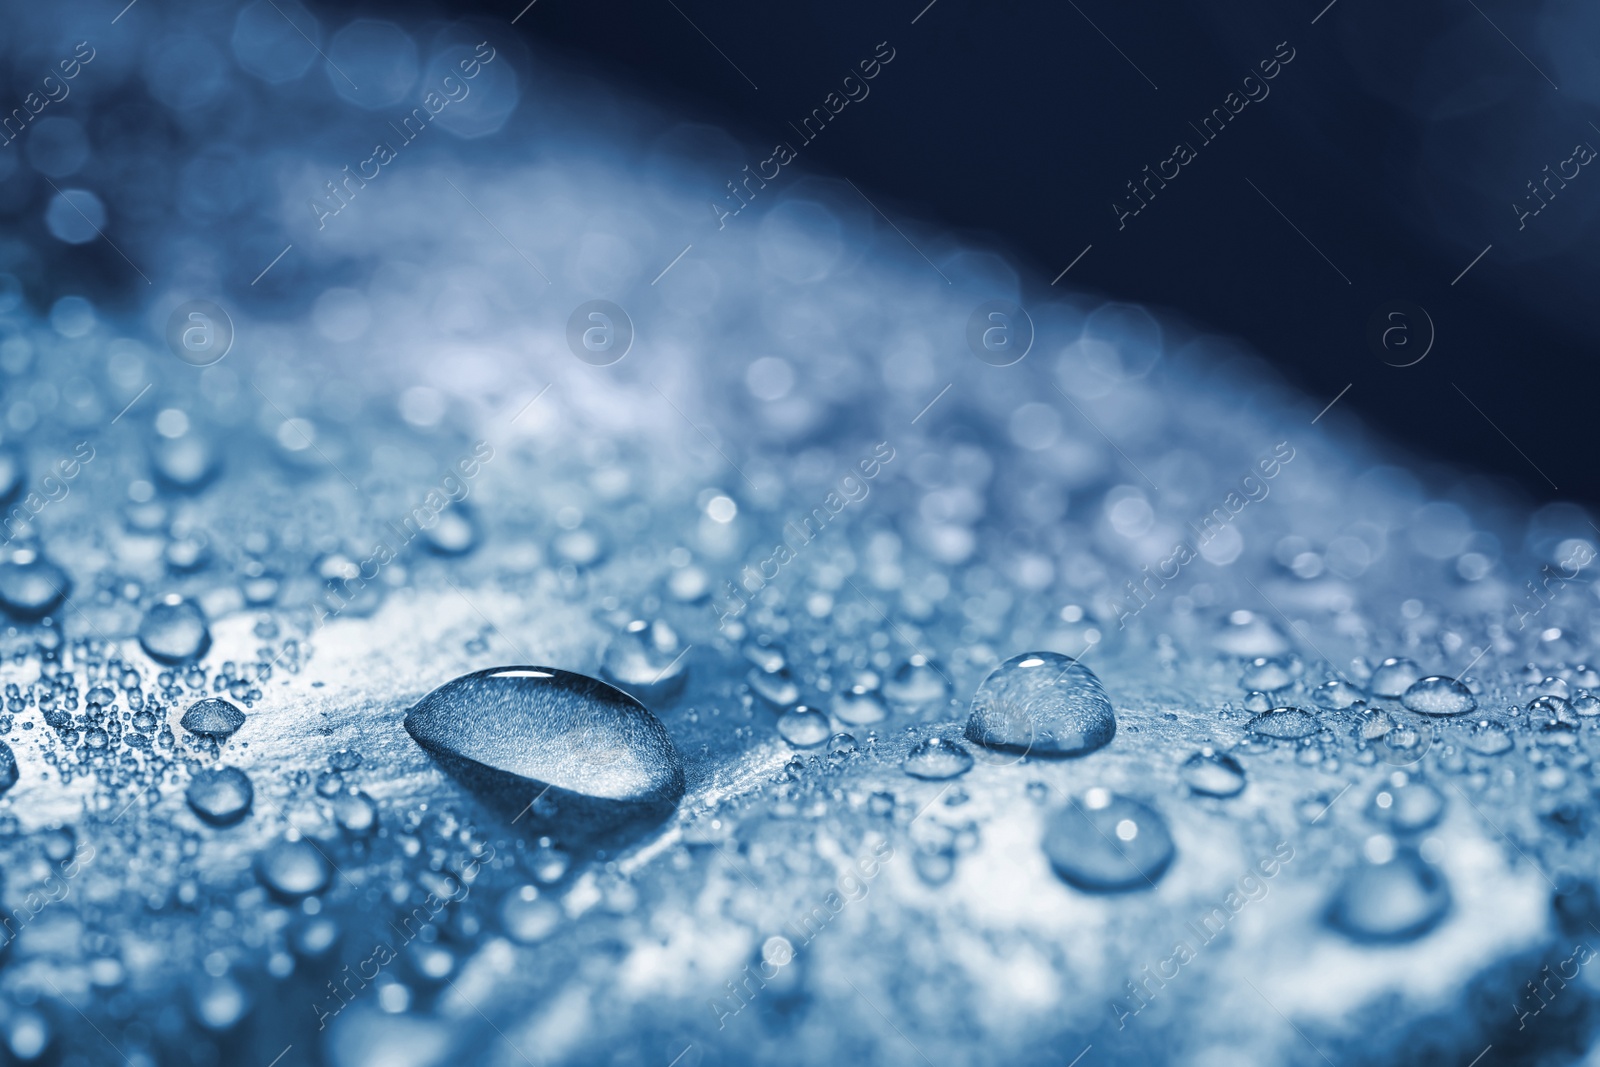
[
  {"x": 1490, "y": 739},
  {"x": 355, "y": 812},
  {"x": 937, "y": 759},
  {"x": 1438, "y": 695},
  {"x": 1285, "y": 724},
  {"x": 1043, "y": 703},
  {"x": 916, "y": 684},
  {"x": 1213, "y": 774},
  {"x": 8, "y": 768},
  {"x": 31, "y": 586},
  {"x": 1392, "y": 894},
  {"x": 1108, "y": 843},
  {"x": 174, "y": 631},
  {"x": 1394, "y": 676},
  {"x": 220, "y": 795},
  {"x": 646, "y": 661},
  {"x": 1244, "y": 633},
  {"x": 1338, "y": 694},
  {"x": 1266, "y": 675},
  {"x": 293, "y": 868},
  {"x": 804, "y": 727},
  {"x": 515, "y": 730},
  {"x": 860, "y": 705},
  {"x": 213, "y": 717}
]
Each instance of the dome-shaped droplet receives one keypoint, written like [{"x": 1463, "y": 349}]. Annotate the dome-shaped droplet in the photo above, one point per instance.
[
  {"x": 453, "y": 533},
  {"x": 293, "y": 868},
  {"x": 220, "y": 795},
  {"x": 355, "y": 812},
  {"x": 646, "y": 661},
  {"x": 1437, "y": 695},
  {"x": 1266, "y": 675},
  {"x": 916, "y": 684},
  {"x": 1406, "y": 808},
  {"x": 174, "y": 631},
  {"x": 219, "y": 1002},
  {"x": 937, "y": 759},
  {"x": 519, "y": 731},
  {"x": 804, "y": 727},
  {"x": 775, "y": 687},
  {"x": 31, "y": 586},
  {"x": 1213, "y": 774},
  {"x": 1106, "y": 843},
  {"x": 860, "y": 705},
  {"x": 1285, "y": 724},
  {"x": 1244, "y": 633},
  {"x": 1394, "y": 676},
  {"x": 186, "y": 462},
  {"x": 1042, "y": 703},
  {"x": 8, "y": 767},
  {"x": 1393, "y": 894},
  {"x": 1338, "y": 694},
  {"x": 1490, "y": 739},
  {"x": 213, "y": 717}
]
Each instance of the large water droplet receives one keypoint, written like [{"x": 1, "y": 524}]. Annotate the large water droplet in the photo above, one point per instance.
[
  {"x": 1244, "y": 633},
  {"x": 645, "y": 660},
  {"x": 1394, "y": 676},
  {"x": 1285, "y": 724},
  {"x": 1106, "y": 843},
  {"x": 804, "y": 727},
  {"x": 1407, "y": 807},
  {"x": 293, "y": 868},
  {"x": 1393, "y": 894},
  {"x": 916, "y": 684},
  {"x": 174, "y": 630},
  {"x": 213, "y": 717},
  {"x": 8, "y": 767},
  {"x": 1213, "y": 774},
  {"x": 584, "y": 748},
  {"x": 937, "y": 759},
  {"x": 220, "y": 795},
  {"x": 1043, "y": 703},
  {"x": 1437, "y": 695},
  {"x": 31, "y": 586}
]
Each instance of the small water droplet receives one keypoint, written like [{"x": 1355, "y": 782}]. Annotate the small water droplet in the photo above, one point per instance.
[
  {"x": 293, "y": 868},
  {"x": 355, "y": 812},
  {"x": 1338, "y": 694},
  {"x": 860, "y": 705},
  {"x": 1213, "y": 774},
  {"x": 1438, "y": 695},
  {"x": 936, "y": 759},
  {"x": 645, "y": 660},
  {"x": 1285, "y": 724},
  {"x": 529, "y": 916},
  {"x": 1267, "y": 675},
  {"x": 213, "y": 717},
  {"x": 916, "y": 684},
  {"x": 1490, "y": 739}
]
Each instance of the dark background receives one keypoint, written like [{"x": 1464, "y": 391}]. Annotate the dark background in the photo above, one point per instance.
[{"x": 1396, "y": 141}]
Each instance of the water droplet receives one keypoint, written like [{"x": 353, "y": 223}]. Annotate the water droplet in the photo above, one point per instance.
[
  {"x": 1393, "y": 894},
  {"x": 803, "y": 727},
  {"x": 1108, "y": 843},
  {"x": 1394, "y": 676},
  {"x": 1587, "y": 705},
  {"x": 220, "y": 795},
  {"x": 646, "y": 661},
  {"x": 860, "y": 705},
  {"x": 516, "y": 730},
  {"x": 293, "y": 868},
  {"x": 1338, "y": 694},
  {"x": 937, "y": 759},
  {"x": 1285, "y": 724},
  {"x": 842, "y": 745},
  {"x": 355, "y": 812},
  {"x": 1490, "y": 739},
  {"x": 8, "y": 767},
  {"x": 1257, "y": 702},
  {"x": 1438, "y": 695},
  {"x": 528, "y": 916},
  {"x": 1408, "y": 807},
  {"x": 1266, "y": 675},
  {"x": 1246, "y": 634},
  {"x": 915, "y": 684},
  {"x": 219, "y": 1002},
  {"x": 1043, "y": 703},
  {"x": 453, "y": 533},
  {"x": 213, "y": 717},
  {"x": 174, "y": 631},
  {"x": 186, "y": 462},
  {"x": 1213, "y": 774},
  {"x": 776, "y": 687},
  {"x": 31, "y": 586}
]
